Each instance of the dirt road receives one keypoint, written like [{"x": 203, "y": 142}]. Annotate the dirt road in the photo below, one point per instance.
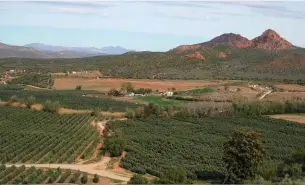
[
  {"x": 98, "y": 168},
  {"x": 265, "y": 94}
]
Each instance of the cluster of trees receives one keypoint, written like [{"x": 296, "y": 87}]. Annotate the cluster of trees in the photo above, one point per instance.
[
  {"x": 51, "y": 106},
  {"x": 128, "y": 87},
  {"x": 28, "y": 101},
  {"x": 254, "y": 108},
  {"x": 68, "y": 99},
  {"x": 36, "y": 79},
  {"x": 114, "y": 145},
  {"x": 150, "y": 110}
]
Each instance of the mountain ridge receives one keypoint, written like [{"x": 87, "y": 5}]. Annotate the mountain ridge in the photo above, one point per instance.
[
  {"x": 269, "y": 40},
  {"x": 107, "y": 50}
]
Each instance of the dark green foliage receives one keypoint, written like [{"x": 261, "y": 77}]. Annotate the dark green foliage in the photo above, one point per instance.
[
  {"x": 174, "y": 176},
  {"x": 242, "y": 63},
  {"x": 143, "y": 91},
  {"x": 69, "y": 99},
  {"x": 31, "y": 100},
  {"x": 137, "y": 179},
  {"x": 84, "y": 178},
  {"x": 127, "y": 87},
  {"x": 43, "y": 136},
  {"x": 243, "y": 153},
  {"x": 79, "y": 87},
  {"x": 114, "y": 92},
  {"x": 114, "y": 145},
  {"x": 50, "y": 106},
  {"x": 36, "y": 79},
  {"x": 196, "y": 143},
  {"x": 96, "y": 178},
  {"x": 293, "y": 165},
  {"x": 254, "y": 108}
]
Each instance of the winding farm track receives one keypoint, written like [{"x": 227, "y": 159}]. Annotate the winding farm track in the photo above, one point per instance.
[
  {"x": 265, "y": 94},
  {"x": 98, "y": 168}
]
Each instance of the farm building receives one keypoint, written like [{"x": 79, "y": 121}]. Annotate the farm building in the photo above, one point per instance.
[{"x": 167, "y": 93}]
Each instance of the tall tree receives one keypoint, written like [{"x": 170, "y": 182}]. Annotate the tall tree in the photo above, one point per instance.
[{"x": 243, "y": 153}]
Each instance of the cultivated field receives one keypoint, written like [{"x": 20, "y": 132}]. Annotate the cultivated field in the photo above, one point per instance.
[
  {"x": 291, "y": 87},
  {"x": 107, "y": 84},
  {"x": 299, "y": 118},
  {"x": 195, "y": 143},
  {"x": 32, "y": 175},
  {"x": 40, "y": 137},
  {"x": 285, "y": 96}
]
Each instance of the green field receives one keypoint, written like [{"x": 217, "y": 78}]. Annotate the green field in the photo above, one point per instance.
[
  {"x": 153, "y": 145},
  {"x": 155, "y": 99},
  {"x": 23, "y": 175},
  {"x": 29, "y": 137},
  {"x": 196, "y": 91},
  {"x": 68, "y": 99}
]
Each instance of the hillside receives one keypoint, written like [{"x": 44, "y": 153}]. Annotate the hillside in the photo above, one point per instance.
[
  {"x": 110, "y": 50},
  {"x": 7, "y": 51},
  {"x": 226, "y": 56}
]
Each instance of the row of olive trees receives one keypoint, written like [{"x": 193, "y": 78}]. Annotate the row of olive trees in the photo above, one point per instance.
[
  {"x": 29, "y": 101},
  {"x": 150, "y": 110},
  {"x": 243, "y": 156}
]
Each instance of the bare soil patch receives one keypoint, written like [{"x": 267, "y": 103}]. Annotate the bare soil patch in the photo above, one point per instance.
[
  {"x": 291, "y": 117},
  {"x": 106, "y": 84},
  {"x": 292, "y": 87},
  {"x": 286, "y": 96}
]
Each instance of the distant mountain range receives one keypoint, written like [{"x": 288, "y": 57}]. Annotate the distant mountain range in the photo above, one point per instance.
[{"x": 38, "y": 50}]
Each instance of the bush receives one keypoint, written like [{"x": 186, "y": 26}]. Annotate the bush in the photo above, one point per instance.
[
  {"x": 84, "y": 178},
  {"x": 79, "y": 87},
  {"x": 96, "y": 112},
  {"x": 137, "y": 179},
  {"x": 114, "y": 145},
  {"x": 13, "y": 99},
  {"x": 50, "y": 106},
  {"x": 130, "y": 113},
  {"x": 96, "y": 178},
  {"x": 30, "y": 101},
  {"x": 114, "y": 92}
]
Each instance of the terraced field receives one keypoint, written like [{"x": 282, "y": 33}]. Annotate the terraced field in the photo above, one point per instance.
[{"x": 39, "y": 137}]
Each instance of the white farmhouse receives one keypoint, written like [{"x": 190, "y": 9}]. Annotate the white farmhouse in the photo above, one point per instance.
[{"x": 168, "y": 93}]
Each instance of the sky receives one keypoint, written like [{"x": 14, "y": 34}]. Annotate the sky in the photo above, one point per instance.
[{"x": 145, "y": 25}]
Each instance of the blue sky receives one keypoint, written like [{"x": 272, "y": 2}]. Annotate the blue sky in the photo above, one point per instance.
[{"x": 145, "y": 25}]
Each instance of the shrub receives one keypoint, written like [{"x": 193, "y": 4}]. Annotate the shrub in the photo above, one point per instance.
[
  {"x": 31, "y": 100},
  {"x": 137, "y": 179},
  {"x": 50, "y": 106},
  {"x": 96, "y": 178},
  {"x": 114, "y": 145},
  {"x": 130, "y": 113},
  {"x": 114, "y": 92},
  {"x": 84, "y": 178},
  {"x": 79, "y": 87}
]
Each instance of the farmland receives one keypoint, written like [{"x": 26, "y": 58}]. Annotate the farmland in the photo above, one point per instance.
[
  {"x": 109, "y": 83},
  {"x": 195, "y": 143},
  {"x": 68, "y": 99},
  {"x": 32, "y": 175},
  {"x": 40, "y": 137}
]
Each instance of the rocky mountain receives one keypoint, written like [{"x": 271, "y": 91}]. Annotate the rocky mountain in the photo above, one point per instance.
[
  {"x": 110, "y": 50},
  {"x": 269, "y": 40}
]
